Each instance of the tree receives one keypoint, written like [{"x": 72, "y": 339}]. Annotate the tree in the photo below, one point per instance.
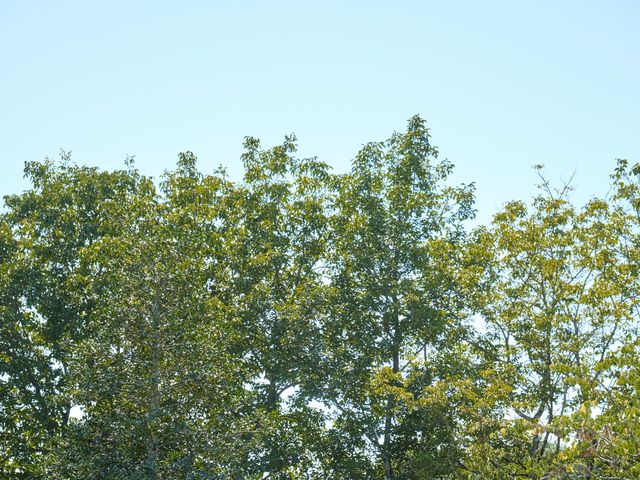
[
  {"x": 277, "y": 245},
  {"x": 395, "y": 314},
  {"x": 609, "y": 442},
  {"x": 43, "y": 310},
  {"x": 154, "y": 378},
  {"x": 560, "y": 302}
]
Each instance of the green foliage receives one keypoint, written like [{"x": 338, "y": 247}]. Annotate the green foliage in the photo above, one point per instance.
[{"x": 300, "y": 324}]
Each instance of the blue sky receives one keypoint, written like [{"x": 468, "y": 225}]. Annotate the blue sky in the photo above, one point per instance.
[{"x": 503, "y": 85}]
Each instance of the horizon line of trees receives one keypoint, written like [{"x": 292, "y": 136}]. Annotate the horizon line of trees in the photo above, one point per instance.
[{"x": 302, "y": 324}]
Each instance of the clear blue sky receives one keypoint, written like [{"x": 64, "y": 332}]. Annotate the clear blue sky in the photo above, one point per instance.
[{"x": 503, "y": 84}]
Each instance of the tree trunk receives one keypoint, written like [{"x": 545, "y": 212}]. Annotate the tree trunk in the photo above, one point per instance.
[
  {"x": 388, "y": 470},
  {"x": 395, "y": 365},
  {"x": 154, "y": 394}
]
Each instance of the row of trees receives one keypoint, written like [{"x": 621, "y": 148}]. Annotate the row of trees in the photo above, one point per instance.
[{"x": 303, "y": 324}]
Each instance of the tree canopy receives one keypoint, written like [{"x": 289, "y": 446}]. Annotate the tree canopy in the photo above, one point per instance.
[{"x": 303, "y": 324}]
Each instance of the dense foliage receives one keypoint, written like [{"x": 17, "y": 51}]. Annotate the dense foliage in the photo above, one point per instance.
[{"x": 302, "y": 324}]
